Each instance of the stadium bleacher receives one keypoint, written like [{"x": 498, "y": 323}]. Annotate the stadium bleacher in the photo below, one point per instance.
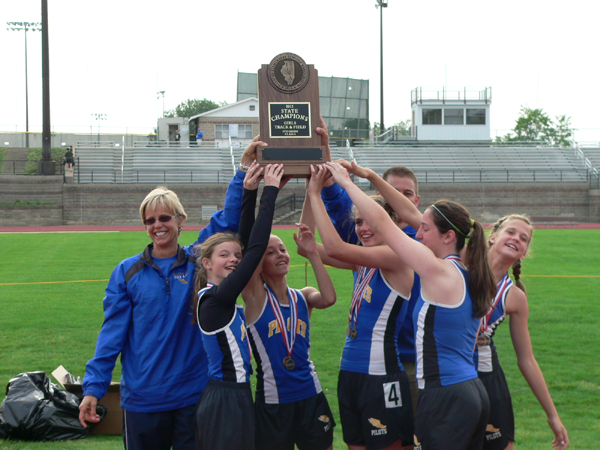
[{"x": 181, "y": 164}]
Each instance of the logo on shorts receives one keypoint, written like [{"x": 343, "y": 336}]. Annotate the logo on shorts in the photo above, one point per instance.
[
  {"x": 325, "y": 420},
  {"x": 380, "y": 428},
  {"x": 417, "y": 443},
  {"x": 492, "y": 432}
]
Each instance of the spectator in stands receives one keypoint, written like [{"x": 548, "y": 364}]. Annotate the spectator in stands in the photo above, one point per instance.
[
  {"x": 147, "y": 311},
  {"x": 69, "y": 158},
  {"x": 339, "y": 207},
  {"x": 199, "y": 136},
  {"x": 509, "y": 244},
  {"x": 177, "y": 135}
]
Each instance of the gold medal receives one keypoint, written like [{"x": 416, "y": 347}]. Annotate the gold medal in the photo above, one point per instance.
[
  {"x": 289, "y": 363},
  {"x": 353, "y": 333}
]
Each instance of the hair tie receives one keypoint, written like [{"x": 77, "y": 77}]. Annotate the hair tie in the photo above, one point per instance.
[
  {"x": 453, "y": 226},
  {"x": 472, "y": 223}
]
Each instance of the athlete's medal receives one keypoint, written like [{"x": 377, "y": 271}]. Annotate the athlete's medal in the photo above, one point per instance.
[
  {"x": 289, "y": 363},
  {"x": 362, "y": 282},
  {"x": 290, "y": 340}
]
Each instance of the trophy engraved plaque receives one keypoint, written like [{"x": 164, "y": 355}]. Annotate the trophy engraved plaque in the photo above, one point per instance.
[{"x": 288, "y": 98}]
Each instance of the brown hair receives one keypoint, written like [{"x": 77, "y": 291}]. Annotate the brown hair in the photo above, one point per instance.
[
  {"x": 456, "y": 218},
  {"x": 516, "y": 267},
  {"x": 381, "y": 202},
  {"x": 206, "y": 250},
  {"x": 401, "y": 172}
]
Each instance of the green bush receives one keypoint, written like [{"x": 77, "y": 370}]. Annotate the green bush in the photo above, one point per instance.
[{"x": 35, "y": 154}]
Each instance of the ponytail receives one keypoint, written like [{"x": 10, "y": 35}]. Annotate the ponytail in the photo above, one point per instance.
[
  {"x": 516, "y": 270},
  {"x": 482, "y": 284},
  {"x": 451, "y": 216}
]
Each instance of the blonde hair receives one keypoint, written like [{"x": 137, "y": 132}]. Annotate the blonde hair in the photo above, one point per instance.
[
  {"x": 516, "y": 266},
  {"x": 165, "y": 198}
]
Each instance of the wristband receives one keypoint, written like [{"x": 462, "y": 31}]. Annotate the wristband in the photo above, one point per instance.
[{"x": 244, "y": 167}]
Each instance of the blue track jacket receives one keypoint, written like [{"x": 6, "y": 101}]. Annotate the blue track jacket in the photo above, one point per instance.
[{"x": 148, "y": 320}]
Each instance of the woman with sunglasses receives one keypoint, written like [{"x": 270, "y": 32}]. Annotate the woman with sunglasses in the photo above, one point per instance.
[{"x": 148, "y": 320}]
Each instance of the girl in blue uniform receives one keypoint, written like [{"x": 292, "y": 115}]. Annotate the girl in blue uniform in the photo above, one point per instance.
[
  {"x": 373, "y": 390},
  {"x": 224, "y": 414},
  {"x": 291, "y": 408},
  {"x": 509, "y": 243},
  {"x": 453, "y": 406}
]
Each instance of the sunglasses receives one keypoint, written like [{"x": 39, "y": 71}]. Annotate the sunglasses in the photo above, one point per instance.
[{"x": 162, "y": 219}]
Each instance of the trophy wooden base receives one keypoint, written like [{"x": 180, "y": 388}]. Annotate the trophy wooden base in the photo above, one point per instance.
[{"x": 296, "y": 161}]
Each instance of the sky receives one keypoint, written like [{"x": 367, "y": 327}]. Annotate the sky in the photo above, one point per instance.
[{"x": 112, "y": 57}]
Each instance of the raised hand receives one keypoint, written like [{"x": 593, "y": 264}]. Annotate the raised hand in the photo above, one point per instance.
[
  {"x": 318, "y": 176},
  {"x": 253, "y": 176},
  {"x": 305, "y": 240},
  {"x": 273, "y": 174},
  {"x": 339, "y": 174},
  {"x": 249, "y": 155},
  {"x": 354, "y": 168}
]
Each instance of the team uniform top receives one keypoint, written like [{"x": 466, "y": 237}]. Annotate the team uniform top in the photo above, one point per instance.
[
  {"x": 228, "y": 349},
  {"x": 339, "y": 207},
  {"x": 445, "y": 337},
  {"x": 486, "y": 357},
  {"x": 382, "y": 311},
  {"x": 275, "y": 383},
  {"x": 221, "y": 321},
  {"x": 146, "y": 310}
]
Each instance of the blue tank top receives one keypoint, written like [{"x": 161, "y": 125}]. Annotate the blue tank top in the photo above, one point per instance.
[
  {"x": 445, "y": 336},
  {"x": 485, "y": 356},
  {"x": 228, "y": 349},
  {"x": 275, "y": 383},
  {"x": 374, "y": 350}
]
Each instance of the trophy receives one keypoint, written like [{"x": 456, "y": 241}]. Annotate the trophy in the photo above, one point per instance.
[{"x": 288, "y": 98}]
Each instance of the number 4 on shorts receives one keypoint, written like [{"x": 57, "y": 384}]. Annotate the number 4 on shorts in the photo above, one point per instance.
[{"x": 393, "y": 397}]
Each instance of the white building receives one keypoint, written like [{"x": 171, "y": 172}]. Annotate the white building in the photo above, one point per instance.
[{"x": 451, "y": 114}]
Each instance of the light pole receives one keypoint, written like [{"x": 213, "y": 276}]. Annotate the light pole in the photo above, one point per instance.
[
  {"x": 381, "y": 4},
  {"x": 98, "y": 117},
  {"x": 25, "y": 26},
  {"x": 159, "y": 93}
]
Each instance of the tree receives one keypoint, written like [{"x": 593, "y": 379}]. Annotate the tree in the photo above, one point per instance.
[
  {"x": 534, "y": 125},
  {"x": 403, "y": 128},
  {"x": 191, "y": 107}
]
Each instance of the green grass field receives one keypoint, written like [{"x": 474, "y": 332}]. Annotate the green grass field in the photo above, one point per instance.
[{"x": 52, "y": 285}]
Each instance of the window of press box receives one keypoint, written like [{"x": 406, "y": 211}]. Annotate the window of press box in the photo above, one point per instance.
[
  {"x": 432, "y": 116},
  {"x": 454, "y": 116},
  {"x": 475, "y": 116},
  {"x": 222, "y": 131}
]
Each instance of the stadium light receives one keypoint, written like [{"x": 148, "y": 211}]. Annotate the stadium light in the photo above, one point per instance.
[
  {"x": 25, "y": 26},
  {"x": 381, "y": 4}
]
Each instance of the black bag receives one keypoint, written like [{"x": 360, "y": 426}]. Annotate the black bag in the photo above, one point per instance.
[{"x": 36, "y": 409}]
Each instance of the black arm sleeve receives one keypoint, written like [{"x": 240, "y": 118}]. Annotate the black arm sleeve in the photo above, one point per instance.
[
  {"x": 247, "y": 216},
  {"x": 217, "y": 306}
]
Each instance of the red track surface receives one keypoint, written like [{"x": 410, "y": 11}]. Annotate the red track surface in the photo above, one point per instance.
[{"x": 77, "y": 228}]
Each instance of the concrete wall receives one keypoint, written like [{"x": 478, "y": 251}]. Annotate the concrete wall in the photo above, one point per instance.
[{"x": 103, "y": 204}]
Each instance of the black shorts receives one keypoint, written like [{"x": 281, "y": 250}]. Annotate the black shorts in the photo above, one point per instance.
[
  {"x": 409, "y": 369},
  {"x": 307, "y": 423},
  {"x": 452, "y": 417},
  {"x": 225, "y": 417},
  {"x": 501, "y": 424},
  {"x": 375, "y": 410}
]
